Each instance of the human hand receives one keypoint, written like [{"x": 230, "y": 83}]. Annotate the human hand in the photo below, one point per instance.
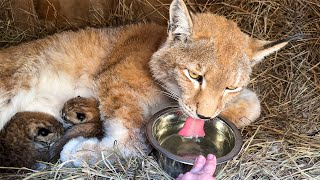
[{"x": 202, "y": 169}]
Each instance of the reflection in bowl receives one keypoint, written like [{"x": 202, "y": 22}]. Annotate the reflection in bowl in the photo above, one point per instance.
[{"x": 176, "y": 154}]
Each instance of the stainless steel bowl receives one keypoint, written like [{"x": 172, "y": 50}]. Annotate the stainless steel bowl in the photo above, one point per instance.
[{"x": 176, "y": 154}]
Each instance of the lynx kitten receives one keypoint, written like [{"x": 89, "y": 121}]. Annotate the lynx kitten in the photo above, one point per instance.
[{"x": 28, "y": 138}]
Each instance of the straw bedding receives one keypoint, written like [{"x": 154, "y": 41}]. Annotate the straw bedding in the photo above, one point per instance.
[{"x": 285, "y": 141}]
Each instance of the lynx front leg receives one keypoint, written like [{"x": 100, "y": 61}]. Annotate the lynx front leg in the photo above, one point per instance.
[
  {"x": 90, "y": 150},
  {"x": 122, "y": 122},
  {"x": 243, "y": 110}
]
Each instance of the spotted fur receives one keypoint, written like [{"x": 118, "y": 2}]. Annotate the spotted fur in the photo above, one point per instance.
[{"x": 28, "y": 138}]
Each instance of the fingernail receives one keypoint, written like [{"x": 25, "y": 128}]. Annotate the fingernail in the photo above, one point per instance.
[
  {"x": 200, "y": 160},
  {"x": 210, "y": 156}
]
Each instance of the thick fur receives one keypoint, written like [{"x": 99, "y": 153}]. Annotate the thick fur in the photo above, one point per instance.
[
  {"x": 22, "y": 143},
  {"x": 204, "y": 62},
  {"x": 80, "y": 110}
]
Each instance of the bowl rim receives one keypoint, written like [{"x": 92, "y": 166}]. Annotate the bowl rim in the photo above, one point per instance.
[{"x": 235, "y": 150}]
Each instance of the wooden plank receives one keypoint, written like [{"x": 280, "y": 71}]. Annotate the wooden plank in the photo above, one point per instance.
[{"x": 24, "y": 15}]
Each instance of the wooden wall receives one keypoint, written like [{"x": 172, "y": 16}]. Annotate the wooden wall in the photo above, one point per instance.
[
  {"x": 52, "y": 14},
  {"x": 34, "y": 14}
]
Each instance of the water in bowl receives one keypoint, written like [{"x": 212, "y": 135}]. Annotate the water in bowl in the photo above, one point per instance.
[{"x": 190, "y": 148}]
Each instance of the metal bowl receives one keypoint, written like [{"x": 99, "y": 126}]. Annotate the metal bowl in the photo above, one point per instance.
[{"x": 176, "y": 154}]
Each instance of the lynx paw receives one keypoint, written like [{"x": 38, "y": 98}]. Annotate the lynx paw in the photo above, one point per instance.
[
  {"x": 80, "y": 151},
  {"x": 243, "y": 111}
]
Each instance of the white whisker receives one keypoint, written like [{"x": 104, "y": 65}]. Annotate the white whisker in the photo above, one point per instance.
[
  {"x": 168, "y": 92},
  {"x": 186, "y": 110},
  {"x": 167, "y": 89},
  {"x": 169, "y": 95}
]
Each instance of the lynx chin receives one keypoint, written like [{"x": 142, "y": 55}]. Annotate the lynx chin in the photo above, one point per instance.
[{"x": 202, "y": 61}]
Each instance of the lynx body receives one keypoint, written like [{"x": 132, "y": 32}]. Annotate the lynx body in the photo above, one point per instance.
[{"x": 201, "y": 61}]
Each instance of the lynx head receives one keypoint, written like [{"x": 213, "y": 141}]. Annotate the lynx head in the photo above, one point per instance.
[{"x": 206, "y": 60}]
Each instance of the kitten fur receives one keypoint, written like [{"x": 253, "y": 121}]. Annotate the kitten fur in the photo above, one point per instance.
[
  {"x": 80, "y": 110},
  {"x": 28, "y": 138},
  {"x": 82, "y": 118}
]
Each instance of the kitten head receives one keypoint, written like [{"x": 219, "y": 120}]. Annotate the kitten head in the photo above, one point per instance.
[
  {"x": 80, "y": 110},
  {"x": 43, "y": 128},
  {"x": 38, "y": 129},
  {"x": 206, "y": 60}
]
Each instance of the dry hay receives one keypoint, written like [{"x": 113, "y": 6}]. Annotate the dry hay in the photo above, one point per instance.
[
  {"x": 143, "y": 167},
  {"x": 284, "y": 143}
]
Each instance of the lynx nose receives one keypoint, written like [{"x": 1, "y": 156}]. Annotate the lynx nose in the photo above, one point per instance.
[{"x": 202, "y": 117}]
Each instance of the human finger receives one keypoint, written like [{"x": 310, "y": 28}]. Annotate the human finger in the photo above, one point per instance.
[
  {"x": 179, "y": 177},
  {"x": 198, "y": 164},
  {"x": 189, "y": 176},
  {"x": 210, "y": 165}
]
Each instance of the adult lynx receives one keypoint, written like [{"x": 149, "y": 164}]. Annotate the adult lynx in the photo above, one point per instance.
[{"x": 203, "y": 61}]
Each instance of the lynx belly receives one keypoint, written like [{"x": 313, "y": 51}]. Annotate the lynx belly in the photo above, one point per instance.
[{"x": 49, "y": 91}]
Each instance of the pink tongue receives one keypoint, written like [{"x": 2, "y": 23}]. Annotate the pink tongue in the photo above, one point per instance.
[{"x": 192, "y": 128}]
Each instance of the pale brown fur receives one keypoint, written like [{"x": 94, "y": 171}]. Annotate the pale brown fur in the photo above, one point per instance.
[
  {"x": 128, "y": 69},
  {"x": 28, "y": 138}
]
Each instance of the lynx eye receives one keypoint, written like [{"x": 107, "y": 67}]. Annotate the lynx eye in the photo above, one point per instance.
[
  {"x": 81, "y": 116},
  {"x": 195, "y": 76},
  {"x": 233, "y": 88},
  {"x": 43, "y": 132}
]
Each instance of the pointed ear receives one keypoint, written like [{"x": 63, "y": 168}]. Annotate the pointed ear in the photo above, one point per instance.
[
  {"x": 180, "y": 23},
  {"x": 261, "y": 49}
]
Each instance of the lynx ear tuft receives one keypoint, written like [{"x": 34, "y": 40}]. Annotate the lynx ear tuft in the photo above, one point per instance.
[
  {"x": 180, "y": 23},
  {"x": 261, "y": 49}
]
